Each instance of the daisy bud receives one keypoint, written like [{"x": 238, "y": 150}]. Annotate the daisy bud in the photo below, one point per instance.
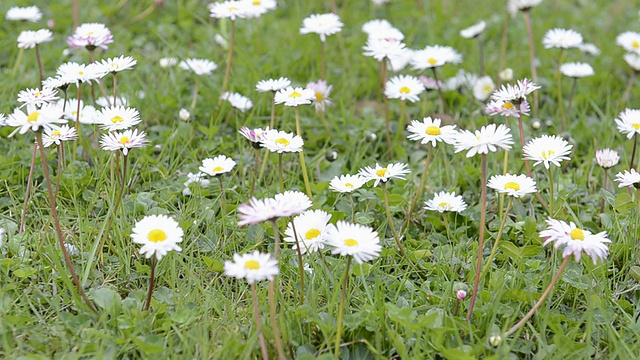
[
  {"x": 495, "y": 340},
  {"x": 51, "y": 24},
  {"x": 66, "y": 52},
  {"x": 536, "y": 125},
  {"x": 371, "y": 137},
  {"x": 331, "y": 155},
  {"x": 461, "y": 294},
  {"x": 220, "y": 40},
  {"x": 548, "y": 123},
  {"x": 184, "y": 114},
  {"x": 506, "y": 74}
]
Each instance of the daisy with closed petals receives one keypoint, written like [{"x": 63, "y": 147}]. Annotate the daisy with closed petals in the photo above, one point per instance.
[
  {"x": 322, "y": 24},
  {"x": 488, "y": 138},
  {"x": 607, "y": 158},
  {"x": 218, "y": 165},
  {"x": 273, "y": 84},
  {"x": 37, "y": 97},
  {"x": 281, "y": 141},
  {"x": 628, "y": 179},
  {"x": 346, "y": 183},
  {"x": 310, "y": 230},
  {"x": 384, "y": 174},
  {"x": 123, "y": 141},
  {"x": 29, "y": 39},
  {"x": 252, "y": 267},
  {"x": 547, "y": 150},
  {"x": 628, "y": 122},
  {"x": 513, "y": 6},
  {"x": 562, "y": 38},
  {"x": 444, "y": 201},
  {"x": 404, "y": 87},
  {"x": 294, "y": 96},
  {"x": 474, "y": 30},
  {"x": 430, "y": 131},
  {"x": 28, "y": 13},
  {"x": 56, "y": 135},
  {"x": 158, "y": 234},
  {"x": 91, "y": 36},
  {"x": 630, "y": 41},
  {"x": 117, "y": 118},
  {"x": 512, "y": 185},
  {"x": 358, "y": 241}
]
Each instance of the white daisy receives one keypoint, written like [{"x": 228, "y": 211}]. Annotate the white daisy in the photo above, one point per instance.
[
  {"x": 607, "y": 158},
  {"x": 257, "y": 8},
  {"x": 87, "y": 112},
  {"x": 28, "y": 13},
  {"x": 633, "y": 60},
  {"x": 310, "y": 229},
  {"x": 462, "y": 79},
  {"x": 630, "y": 41},
  {"x": 237, "y": 101},
  {"x": 383, "y": 48},
  {"x": 37, "y": 97},
  {"x": 404, "y": 87},
  {"x": 513, "y": 6},
  {"x": 229, "y": 9},
  {"x": 506, "y": 74},
  {"x": 74, "y": 73},
  {"x": 376, "y": 25},
  {"x": 253, "y": 135},
  {"x": 507, "y": 108},
  {"x": 589, "y": 49},
  {"x": 168, "y": 62},
  {"x": 253, "y": 267},
  {"x": 294, "y": 96},
  {"x": 198, "y": 178},
  {"x": 575, "y": 240},
  {"x": 473, "y": 31},
  {"x": 515, "y": 93},
  {"x": 198, "y": 66},
  {"x": 561, "y": 38},
  {"x": 281, "y": 141},
  {"x": 124, "y": 141},
  {"x": 91, "y": 36},
  {"x": 628, "y": 179},
  {"x": 488, "y": 138},
  {"x": 293, "y": 202},
  {"x": 322, "y": 24},
  {"x": 260, "y": 210},
  {"x": 346, "y": 183},
  {"x": 55, "y": 82},
  {"x": 512, "y": 185},
  {"x": 184, "y": 114},
  {"x": 434, "y": 56},
  {"x": 158, "y": 234},
  {"x": 361, "y": 242},
  {"x": 384, "y": 174},
  {"x": 483, "y": 87},
  {"x": 34, "y": 119},
  {"x": 218, "y": 165},
  {"x": 430, "y": 131},
  {"x": 547, "y": 149},
  {"x": 322, "y": 92},
  {"x": 444, "y": 201},
  {"x": 29, "y": 39},
  {"x": 117, "y": 118},
  {"x": 272, "y": 84},
  {"x": 55, "y": 135},
  {"x": 118, "y": 64},
  {"x": 629, "y": 122},
  {"x": 576, "y": 70},
  {"x": 104, "y": 102}
]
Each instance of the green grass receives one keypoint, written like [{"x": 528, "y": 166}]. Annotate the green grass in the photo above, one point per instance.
[{"x": 398, "y": 307}]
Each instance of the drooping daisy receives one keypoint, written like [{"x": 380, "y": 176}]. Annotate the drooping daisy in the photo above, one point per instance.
[
  {"x": 310, "y": 228},
  {"x": 576, "y": 70},
  {"x": 322, "y": 24},
  {"x": 547, "y": 149},
  {"x": 91, "y": 36},
  {"x": 633, "y": 60},
  {"x": 404, "y": 87},
  {"x": 124, "y": 141},
  {"x": 444, "y": 201},
  {"x": 37, "y": 97},
  {"x": 630, "y": 41},
  {"x": 384, "y": 174},
  {"x": 281, "y": 141},
  {"x": 158, "y": 234},
  {"x": 607, "y": 158},
  {"x": 483, "y": 87},
  {"x": 118, "y": 64},
  {"x": 294, "y": 96},
  {"x": 237, "y": 101},
  {"x": 35, "y": 119},
  {"x": 575, "y": 240},
  {"x": 359, "y": 241},
  {"x": 589, "y": 49},
  {"x": 434, "y": 56},
  {"x": 346, "y": 183},
  {"x": 29, "y": 39},
  {"x": 507, "y": 108},
  {"x": 252, "y": 267},
  {"x": 513, "y": 6},
  {"x": 221, "y": 164},
  {"x": 272, "y": 84},
  {"x": 229, "y": 9},
  {"x": 512, "y": 185},
  {"x": 293, "y": 202},
  {"x": 198, "y": 66},
  {"x": 628, "y": 179},
  {"x": 473, "y": 31},
  {"x": 55, "y": 135},
  {"x": 561, "y": 38},
  {"x": 430, "y": 131},
  {"x": 117, "y": 118},
  {"x": 28, "y": 13},
  {"x": 488, "y": 138},
  {"x": 629, "y": 122},
  {"x": 322, "y": 92}
]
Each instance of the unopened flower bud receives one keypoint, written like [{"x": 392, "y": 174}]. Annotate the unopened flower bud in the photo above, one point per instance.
[
  {"x": 461, "y": 294},
  {"x": 371, "y": 137},
  {"x": 495, "y": 340},
  {"x": 331, "y": 155},
  {"x": 184, "y": 114},
  {"x": 506, "y": 74},
  {"x": 536, "y": 125}
]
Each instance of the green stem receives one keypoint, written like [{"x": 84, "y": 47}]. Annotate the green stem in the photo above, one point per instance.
[
  {"x": 385, "y": 103},
  {"x": 272, "y": 124},
  {"x": 27, "y": 194},
  {"x": 256, "y": 316},
  {"x": 115, "y": 89},
  {"x": 497, "y": 241},
  {"x": 303, "y": 165},
  {"x": 323, "y": 51},
  {"x": 483, "y": 215},
  {"x": 443, "y": 103},
  {"x": 390, "y": 219},
  {"x": 256, "y": 166},
  {"x": 195, "y": 93},
  {"x": 571, "y": 95},
  {"x": 559, "y": 83},
  {"x": 300, "y": 264},
  {"x": 227, "y": 71},
  {"x": 39, "y": 66},
  {"x": 18, "y": 62},
  {"x": 152, "y": 277},
  {"x": 272, "y": 296},
  {"x": 343, "y": 297},
  {"x": 481, "y": 54},
  {"x": 423, "y": 178},
  {"x": 280, "y": 177},
  {"x": 353, "y": 208},
  {"x": 550, "y": 192}
]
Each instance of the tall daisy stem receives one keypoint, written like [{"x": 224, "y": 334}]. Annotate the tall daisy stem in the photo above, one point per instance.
[
  {"x": 272, "y": 124},
  {"x": 574, "y": 84},
  {"x": 353, "y": 208},
  {"x": 483, "y": 216},
  {"x": 526, "y": 161},
  {"x": 532, "y": 59},
  {"x": 280, "y": 177},
  {"x": 152, "y": 278},
  {"x": 505, "y": 37},
  {"x": 414, "y": 202},
  {"x": 390, "y": 219},
  {"x": 443, "y": 102},
  {"x": 54, "y": 214},
  {"x": 343, "y": 297},
  {"x": 385, "y": 103},
  {"x": 542, "y": 298},
  {"x": 303, "y": 164},
  {"x": 559, "y": 83},
  {"x": 78, "y": 108},
  {"x": 604, "y": 186},
  {"x": 272, "y": 296},
  {"x": 550, "y": 192},
  {"x": 404, "y": 118},
  {"x": 227, "y": 71},
  {"x": 256, "y": 166},
  {"x": 18, "y": 62},
  {"x": 633, "y": 151},
  {"x": 256, "y": 317},
  {"x": 115, "y": 89},
  {"x": 481, "y": 55},
  {"x": 39, "y": 65},
  {"x": 194, "y": 100},
  {"x": 300, "y": 264},
  {"x": 27, "y": 194},
  {"x": 60, "y": 168},
  {"x": 497, "y": 241},
  {"x": 627, "y": 91},
  {"x": 323, "y": 55}
]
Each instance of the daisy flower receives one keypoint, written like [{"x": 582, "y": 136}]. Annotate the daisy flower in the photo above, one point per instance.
[
  {"x": 310, "y": 229},
  {"x": 483, "y": 87},
  {"x": 117, "y": 118},
  {"x": 294, "y": 96},
  {"x": 506, "y": 74},
  {"x": 257, "y": 8},
  {"x": 158, "y": 234},
  {"x": 87, "y": 112},
  {"x": 55, "y": 82},
  {"x": 630, "y": 41},
  {"x": 260, "y": 210},
  {"x": 198, "y": 178},
  {"x": 37, "y": 97},
  {"x": 431, "y": 131},
  {"x": 252, "y": 267},
  {"x": 28, "y": 13},
  {"x": 322, "y": 92},
  {"x": 237, "y": 101},
  {"x": 513, "y": 6},
  {"x": 575, "y": 240},
  {"x": 218, "y": 165},
  {"x": 629, "y": 122},
  {"x": 229, "y": 9},
  {"x": 118, "y": 64},
  {"x": 589, "y": 49},
  {"x": 376, "y": 25},
  {"x": 384, "y": 48},
  {"x": 379, "y": 173},
  {"x": 272, "y": 84},
  {"x": 55, "y": 135},
  {"x": 607, "y": 158},
  {"x": 346, "y": 183},
  {"x": 35, "y": 119},
  {"x": 515, "y": 93},
  {"x": 507, "y": 108},
  {"x": 168, "y": 62},
  {"x": 253, "y": 135},
  {"x": 431, "y": 83},
  {"x": 435, "y": 56},
  {"x": 322, "y": 24},
  {"x": 488, "y": 138},
  {"x": 473, "y": 31},
  {"x": 124, "y": 141},
  {"x": 512, "y": 185},
  {"x": 360, "y": 242},
  {"x": 404, "y": 87},
  {"x": 104, "y": 102},
  {"x": 547, "y": 149},
  {"x": 293, "y": 202},
  {"x": 444, "y": 201},
  {"x": 198, "y": 66},
  {"x": 628, "y": 179},
  {"x": 281, "y": 141},
  {"x": 184, "y": 114},
  {"x": 576, "y": 70},
  {"x": 561, "y": 38},
  {"x": 74, "y": 73},
  {"x": 462, "y": 79},
  {"x": 633, "y": 60},
  {"x": 91, "y": 36},
  {"x": 29, "y": 39}
]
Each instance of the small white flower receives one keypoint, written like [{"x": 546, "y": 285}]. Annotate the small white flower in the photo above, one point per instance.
[
  {"x": 430, "y": 131},
  {"x": 404, "y": 87},
  {"x": 35, "y": 119},
  {"x": 628, "y": 179},
  {"x": 294, "y": 96},
  {"x": 576, "y": 70},
  {"x": 229, "y": 9},
  {"x": 513, "y": 6},
  {"x": 506, "y": 74},
  {"x": 488, "y": 138},
  {"x": 37, "y": 97},
  {"x": 90, "y": 36},
  {"x": 272, "y": 84},
  {"x": 158, "y": 234},
  {"x": 293, "y": 202},
  {"x": 435, "y": 56},
  {"x": 633, "y": 60},
  {"x": 198, "y": 66},
  {"x": 218, "y": 165},
  {"x": 346, "y": 183},
  {"x": 237, "y": 101},
  {"x": 562, "y": 38},
  {"x": 55, "y": 135},
  {"x": 310, "y": 229},
  {"x": 168, "y": 62},
  {"x": 117, "y": 118},
  {"x": 124, "y": 141},
  {"x": 384, "y": 48},
  {"x": 515, "y": 93},
  {"x": 473, "y": 31},
  {"x": 322, "y": 24},
  {"x": 629, "y": 122},
  {"x": 384, "y": 174},
  {"x": 322, "y": 91},
  {"x": 589, "y": 49},
  {"x": 29, "y": 13},
  {"x": 253, "y": 267},
  {"x": 355, "y": 240},
  {"x": 547, "y": 149},
  {"x": 184, "y": 114},
  {"x": 483, "y": 88},
  {"x": 630, "y": 41},
  {"x": 118, "y": 64},
  {"x": 512, "y": 185},
  {"x": 87, "y": 112},
  {"x": 507, "y": 108},
  {"x": 29, "y": 39},
  {"x": 74, "y": 73},
  {"x": 281, "y": 141},
  {"x": 575, "y": 240},
  {"x": 444, "y": 201},
  {"x": 607, "y": 158}
]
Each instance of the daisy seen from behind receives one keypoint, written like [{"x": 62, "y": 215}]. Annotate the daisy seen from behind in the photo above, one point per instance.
[
  {"x": 322, "y": 24},
  {"x": 198, "y": 66},
  {"x": 562, "y": 38},
  {"x": 607, "y": 158}
]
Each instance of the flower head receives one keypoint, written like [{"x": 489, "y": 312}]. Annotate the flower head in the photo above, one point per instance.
[
  {"x": 322, "y": 24},
  {"x": 218, "y": 165},
  {"x": 629, "y": 122},
  {"x": 384, "y": 174},
  {"x": 117, "y": 118},
  {"x": 37, "y": 97},
  {"x": 444, "y": 201},
  {"x": 488, "y": 138},
  {"x": 74, "y": 73},
  {"x": 91, "y": 36},
  {"x": 35, "y": 119},
  {"x": 310, "y": 229},
  {"x": 87, "y": 112},
  {"x": 384, "y": 48},
  {"x": 281, "y": 141},
  {"x": 562, "y": 38},
  {"x": 575, "y": 240},
  {"x": 628, "y": 179},
  {"x": 28, "y": 13},
  {"x": 607, "y": 158},
  {"x": 293, "y": 202},
  {"x": 461, "y": 294},
  {"x": 124, "y": 141},
  {"x": 118, "y": 64},
  {"x": 633, "y": 60},
  {"x": 630, "y": 41},
  {"x": 473, "y": 31},
  {"x": 346, "y": 183},
  {"x": 507, "y": 108},
  {"x": 435, "y": 56},
  {"x": 430, "y": 131},
  {"x": 512, "y": 185},
  {"x": 515, "y": 93},
  {"x": 166, "y": 62},
  {"x": 589, "y": 49},
  {"x": 29, "y": 39},
  {"x": 272, "y": 84},
  {"x": 404, "y": 87},
  {"x": 237, "y": 101},
  {"x": 576, "y": 70},
  {"x": 359, "y": 241},
  {"x": 294, "y": 96},
  {"x": 55, "y": 135},
  {"x": 521, "y": 5},
  {"x": 322, "y": 92},
  {"x": 547, "y": 149},
  {"x": 198, "y": 66},
  {"x": 282, "y": 205},
  {"x": 158, "y": 234},
  {"x": 253, "y": 267},
  {"x": 483, "y": 87},
  {"x": 229, "y": 9},
  {"x": 506, "y": 74},
  {"x": 257, "y": 8}
]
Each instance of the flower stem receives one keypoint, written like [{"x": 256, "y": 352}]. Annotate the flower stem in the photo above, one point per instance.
[
  {"x": 353, "y": 208},
  {"x": 423, "y": 178},
  {"x": 54, "y": 214},
  {"x": 571, "y": 95},
  {"x": 401, "y": 122},
  {"x": 152, "y": 277},
  {"x": 323, "y": 50},
  {"x": 323, "y": 118},
  {"x": 343, "y": 296},
  {"x": 39, "y": 65},
  {"x": 481, "y": 54},
  {"x": 78, "y": 108},
  {"x": 227, "y": 71},
  {"x": 280, "y": 176},
  {"x": 627, "y": 91},
  {"x": 303, "y": 165},
  {"x": 272, "y": 124},
  {"x": 300, "y": 264},
  {"x": 194, "y": 100},
  {"x": 60, "y": 168},
  {"x": 256, "y": 167},
  {"x": 497, "y": 241},
  {"x": 256, "y": 316},
  {"x": 115, "y": 89},
  {"x": 483, "y": 215},
  {"x": 443, "y": 102},
  {"x": 390, "y": 219},
  {"x": 385, "y": 103},
  {"x": 604, "y": 186},
  {"x": 532, "y": 59},
  {"x": 633, "y": 152},
  {"x": 27, "y": 194},
  {"x": 550, "y": 192},
  {"x": 272, "y": 295},
  {"x": 18, "y": 62},
  {"x": 559, "y": 83},
  {"x": 542, "y": 298}
]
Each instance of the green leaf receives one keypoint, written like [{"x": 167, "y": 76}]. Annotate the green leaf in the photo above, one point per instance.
[
  {"x": 105, "y": 297},
  {"x": 213, "y": 264},
  {"x": 624, "y": 202}
]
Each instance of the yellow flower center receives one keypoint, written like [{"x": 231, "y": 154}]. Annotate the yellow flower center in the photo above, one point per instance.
[
  {"x": 432, "y": 61},
  {"x": 547, "y": 154},
  {"x": 36, "y": 94},
  {"x": 232, "y": 9},
  {"x": 124, "y": 140},
  {"x": 319, "y": 96},
  {"x": 512, "y": 185},
  {"x": 256, "y": 2},
  {"x": 252, "y": 265},
  {"x": 444, "y": 204},
  {"x": 157, "y": 235},
  {"x": 433, "y": 130},
  {"x": 635, "y": 45},
  {"x": 405, "y": 90},
  {"x": 488, "y": 88},
  {"x": 282, "y": 141},
  {"x": 81, "y": 73},
  {"x": 33, "y": 117},
  {"x": 577, "y": 234},
  {"x": 116, "y": 119},
  {"x": 217, "y": 168},
  {"x": 295, "y": 94},
  {"x": 351, "y": 242},
  {"x": 90, "y": 33},
  {"x": 636, "y": 126},
  {"x": 312, "y": 234},
  {"x": 381, "y": 172},
  {"x": 508, "y": 106},
  {"x": 56, "y": 133},
  {"x": 349, "y": 185}
]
